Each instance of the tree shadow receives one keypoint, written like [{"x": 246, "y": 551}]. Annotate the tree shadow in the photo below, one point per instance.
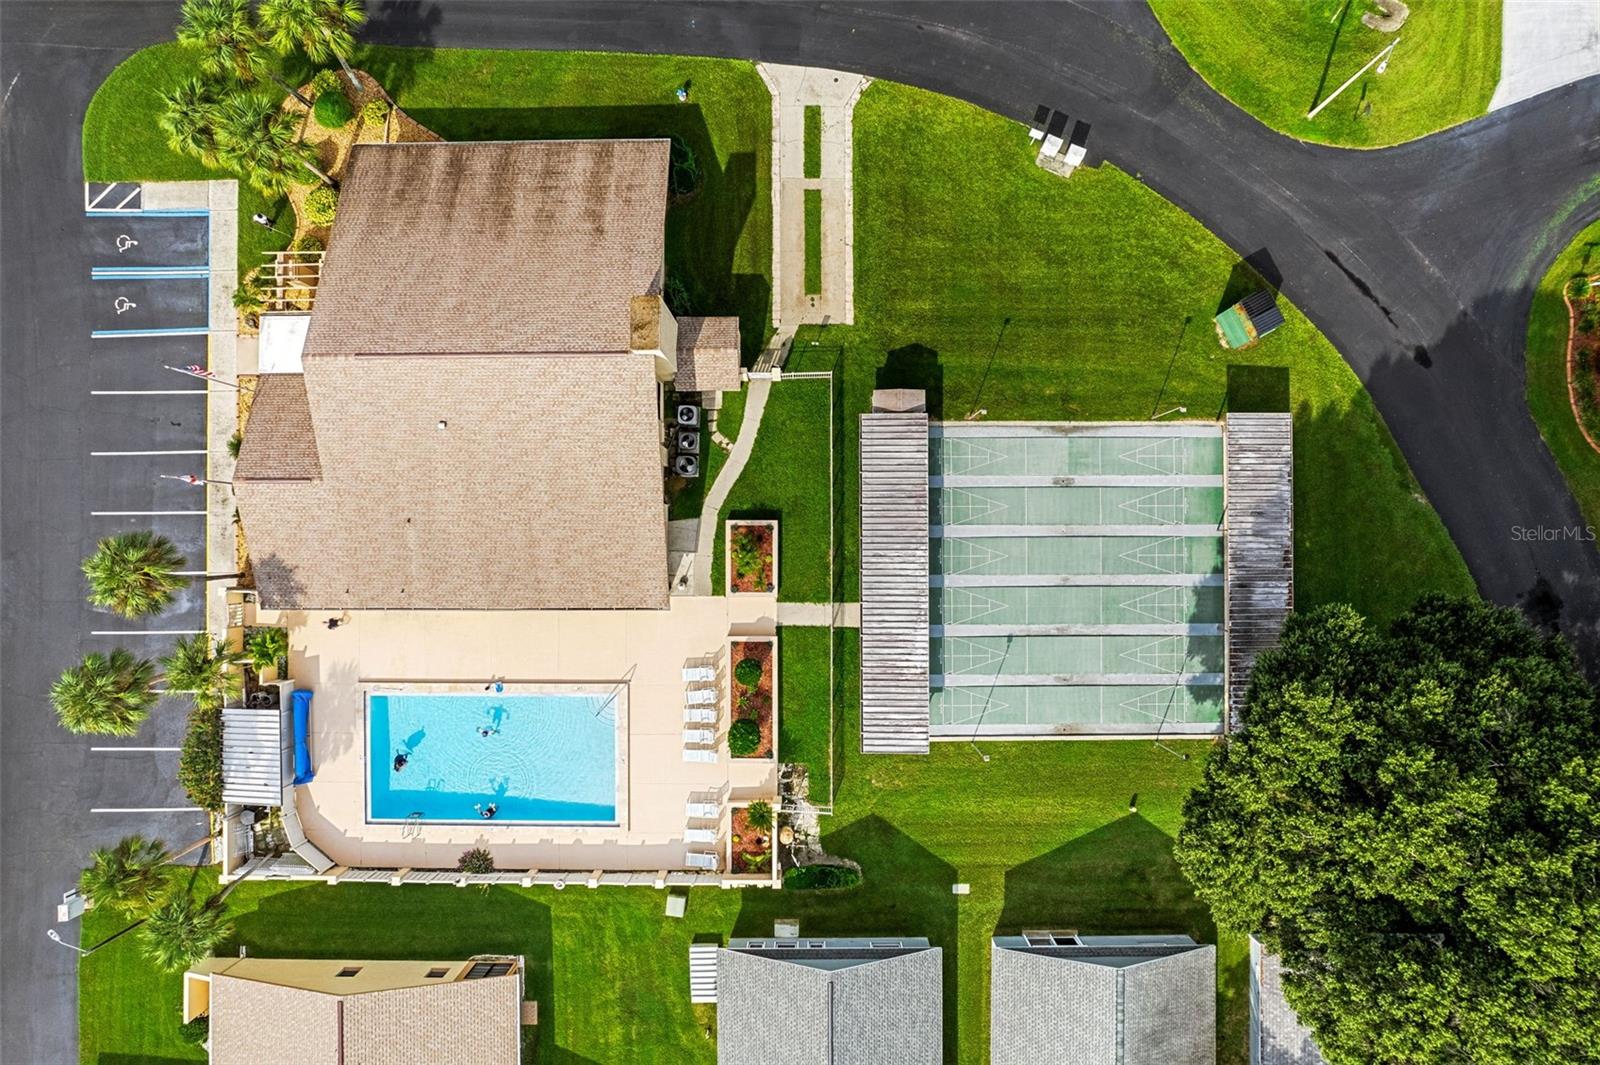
[
  {"x": 401, "y": 35},
  {"x": 905, "y": 891},
  {"x": 703, "y": 226}
]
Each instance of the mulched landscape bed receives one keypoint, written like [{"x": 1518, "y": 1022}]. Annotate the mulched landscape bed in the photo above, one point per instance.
[
  {"x": 749, "y": 843},
  {"x": 751, "y": 553},
  {"x": 755, "y": 702},
  {"x": 1583, "y": 357}
]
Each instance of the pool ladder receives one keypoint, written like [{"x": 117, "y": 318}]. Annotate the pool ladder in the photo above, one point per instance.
[{"x": 413, "y": 826}]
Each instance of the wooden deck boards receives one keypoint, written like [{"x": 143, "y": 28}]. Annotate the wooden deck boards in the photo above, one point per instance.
[{"x": 1259, "y": 518}]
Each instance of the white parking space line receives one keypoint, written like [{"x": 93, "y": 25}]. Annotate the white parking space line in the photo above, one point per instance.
[
  {"x": 143, "y": 809},
  {"x": 117, "y": 454},
  {"x": 120, "y": 750},
  {"x": 147, "y": 392},
  {"x": 145, "y": 632},
  {"x": 146, "y": 513}
]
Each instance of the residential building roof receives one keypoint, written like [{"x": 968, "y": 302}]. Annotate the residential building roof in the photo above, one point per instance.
[
  {"x": 491, "y": 246},
  {"x": 471, "y": 429},
  {"x": 708, "y": 355},
  {"x": 299, "y": 1012},
  {"x": 1138, "y": 1000},
  {"x": 838, "y": 1002},
  {"x": 1276, "y": 1035}
]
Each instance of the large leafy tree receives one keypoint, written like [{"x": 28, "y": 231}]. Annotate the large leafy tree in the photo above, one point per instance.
[
  {"x": 107, "y": 695},
  {"x": 134, "y": 573},
  {"x": 259, "y": 140},
  {"x": 322, "y": 29},
  {"x": 1411, "y": 818},
  {"x": 188, "y": 118},
  {"x": 131, "y": 876},
  {"x": 228, "y": 43},
  {"x": 183, "y": 930}
]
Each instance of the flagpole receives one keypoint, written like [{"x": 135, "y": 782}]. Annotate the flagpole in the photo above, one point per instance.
[{"x": 204, "y": 375}]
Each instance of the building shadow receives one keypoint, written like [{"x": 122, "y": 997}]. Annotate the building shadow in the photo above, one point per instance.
[
  {"x": 1257, "y": 389},
  {"x": 703, "y": 225},
  {"x": 1246, "y": 277},
  {"x": 1120, "y": 879},
  {"x": 917, "y": 366},
  {"x": 905, "y": 891}
]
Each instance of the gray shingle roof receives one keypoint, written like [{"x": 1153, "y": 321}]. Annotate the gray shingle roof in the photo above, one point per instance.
[
  {"x": 884, "y": 1010},
  {"x": 708, "y": 355},
  {"x": 1276, "y": 1035},
  {"x": 1076, "y": 1007},
  {"x": 279, "y": 442}
]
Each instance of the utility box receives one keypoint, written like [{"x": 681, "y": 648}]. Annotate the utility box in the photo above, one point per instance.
[{"x": 1246, "y": 322}]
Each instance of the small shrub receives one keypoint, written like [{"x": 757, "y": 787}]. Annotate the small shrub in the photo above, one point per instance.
[
  {"x": 476, "y": 860},
  {"x": 755, "y": 863},
  {"x": 821, "y": 877},
  {"x": 758, "y": 815},
  {"x": 321, "y": 206},
  {"x": 235, "y": 442},
  {"x": 196, "y": 1031},
  {"x": 249, "y": 297},
  {"x": 744, "y": 736},
  {"x": 683, "y": 177},
  {"x": 325, "y": 81},
  {"x": 1589, "y": 317},
  {"x": 748, "y": 672},
  {"x": 748, "y": 556},
  {"x": 309, "y": 242},
  {"x": 332, "y": 110},
  {"x": 1578, "y": 286},
  {"x": 375, "y": 112},
  {"x": 677, "y": 297},
  {"x": 200, "y": 761},
  {"x": 267, "y": 647}
]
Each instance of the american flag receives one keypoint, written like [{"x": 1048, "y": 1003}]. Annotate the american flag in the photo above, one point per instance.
[{"x": 200, "y": 371}]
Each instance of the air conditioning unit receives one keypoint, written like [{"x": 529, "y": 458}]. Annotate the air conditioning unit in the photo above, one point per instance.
[
  {"x": 689, "y": 415},
  {"x": 689, "y": 441},
  {"x": 686, "y": 466}
]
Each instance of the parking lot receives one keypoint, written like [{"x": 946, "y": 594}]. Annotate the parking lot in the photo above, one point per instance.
[{"x": 144, "y": 306}]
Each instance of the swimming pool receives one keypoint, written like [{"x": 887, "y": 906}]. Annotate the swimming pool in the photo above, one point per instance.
[{"x": 545, "y": 758}]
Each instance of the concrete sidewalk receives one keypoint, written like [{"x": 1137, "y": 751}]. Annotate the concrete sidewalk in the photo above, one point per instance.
[
  {"x": 706, "y": 533},
  {"x": 1545, "y": 44},
  {"x": 793, "y": 90}
]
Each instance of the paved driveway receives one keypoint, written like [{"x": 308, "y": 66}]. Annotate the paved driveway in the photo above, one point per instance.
[{"x": 1545, "y": 44}]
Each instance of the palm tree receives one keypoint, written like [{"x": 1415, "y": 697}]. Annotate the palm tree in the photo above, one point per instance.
[
  {"x": 134, "y": 573},
  {"x": 131, "y": 877},
  {"x": 229, "y": 44},
  {"x": 198, "y": 666},
  {"x": 181, "y": 931},
  {"x": 189, "y": 120},
  {"x": 258, "y": 139},
  {"x": 106, "y": 695},
  {"x": 322, "y": 29}
]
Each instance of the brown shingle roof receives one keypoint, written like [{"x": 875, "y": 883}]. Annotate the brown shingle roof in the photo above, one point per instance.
[
  {"x": 544, "y": 491},
  {"x": 514, "y": 246},
  {"x": 279, "y": 443},
  {"x": 470, "y": 1022},
  {"x": 708, "y": 355}
]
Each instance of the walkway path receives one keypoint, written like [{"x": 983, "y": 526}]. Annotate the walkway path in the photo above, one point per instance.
[
  {"x": 755, "y": 405},
  {"x": 839, "y": 615},
  {"x": 1545, "y": 44},
  {"x": 793, "y": 90}
]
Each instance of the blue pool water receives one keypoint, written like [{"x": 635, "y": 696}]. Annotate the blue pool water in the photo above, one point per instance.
[{"x": 546, "y": 758}]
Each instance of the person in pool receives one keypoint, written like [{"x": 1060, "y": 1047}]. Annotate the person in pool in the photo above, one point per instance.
[
  {"x": 400, "y": 761},
  {"x": 485, "y": 812}
]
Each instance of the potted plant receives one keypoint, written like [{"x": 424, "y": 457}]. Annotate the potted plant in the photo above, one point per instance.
[{"x": 268, "y": 652}]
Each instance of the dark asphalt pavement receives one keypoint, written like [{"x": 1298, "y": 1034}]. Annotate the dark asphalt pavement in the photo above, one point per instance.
[{"x": 1417, "y": 262}]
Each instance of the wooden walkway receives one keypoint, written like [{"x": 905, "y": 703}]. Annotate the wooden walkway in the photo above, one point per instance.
[
  {"x": 1259, "y": 520},
  {"x": 894, "y": 583}
]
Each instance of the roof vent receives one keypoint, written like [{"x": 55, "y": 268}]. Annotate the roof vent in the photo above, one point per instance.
[{"x": 443, "y": 425}]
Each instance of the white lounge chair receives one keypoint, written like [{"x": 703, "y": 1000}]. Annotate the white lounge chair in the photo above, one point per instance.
[
  {"x": 700, "y": 715},
  {"x": 701, "y": 860},
  {"x": 699, "y": 673},
  {"x": 699, "y": 835},
  {"x": 699, "y": 754},
  {"x": 703, "y": 811},
  {"x": 700, "y": 737},
  {"x": 700, "y": 696}
]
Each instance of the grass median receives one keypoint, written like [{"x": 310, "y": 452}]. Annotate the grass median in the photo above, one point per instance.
[
  {"x": 1278, "y": 60},
  {"x": 1547, "y": 373}
]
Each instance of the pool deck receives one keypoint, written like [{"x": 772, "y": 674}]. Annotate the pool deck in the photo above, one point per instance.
[{"x": 644, "y": 650}]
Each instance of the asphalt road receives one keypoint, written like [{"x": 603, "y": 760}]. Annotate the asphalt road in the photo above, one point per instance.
[{"x": 1418, "y": 262}]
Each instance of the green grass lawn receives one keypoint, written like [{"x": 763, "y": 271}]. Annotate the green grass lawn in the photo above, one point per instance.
[
  {"x": 1547, "y": 373},
  {"x": 1042, "y": 832},
  {"x": 787, "y": 479},
  {"x": 719, "y": 240},
  {"x": 803, "y": 710},
  {"x": 813, "y": 241},
  {"x": 1098, "y": 308},
  {"x": 813, "y": 146},
  {"x": 1277, "y": 60}
]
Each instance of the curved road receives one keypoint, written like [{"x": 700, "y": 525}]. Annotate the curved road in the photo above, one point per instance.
[{"x": 1418, "y": 262}]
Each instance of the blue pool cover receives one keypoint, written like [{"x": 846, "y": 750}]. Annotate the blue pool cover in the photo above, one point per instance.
[{"x": 303, "y": 773}]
